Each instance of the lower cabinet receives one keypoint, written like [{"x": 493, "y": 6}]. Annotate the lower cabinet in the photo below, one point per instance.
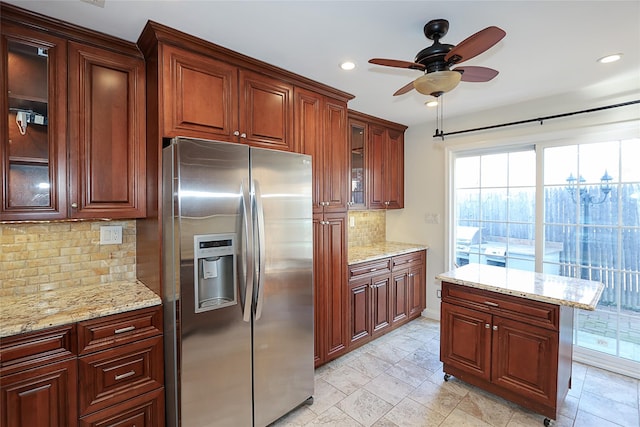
[
  {"x": 385, "y": 293},
  {"x": 329, "y": 283},
  {"x": 513, "y": 347},
  {"x": 101, "y": 372}
]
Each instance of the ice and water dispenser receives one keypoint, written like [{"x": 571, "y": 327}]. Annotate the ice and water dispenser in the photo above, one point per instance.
[{"x": 214, "y": 271}]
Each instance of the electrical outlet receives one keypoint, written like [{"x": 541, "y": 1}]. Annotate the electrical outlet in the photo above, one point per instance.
[
  {"x": 111, "y": 235},
  {"x": 352, "y": 221}
]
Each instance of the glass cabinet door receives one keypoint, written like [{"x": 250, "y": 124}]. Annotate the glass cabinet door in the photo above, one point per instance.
[
  {"x": 34, "y": 142},
  {"x": 357, "y": 182}
]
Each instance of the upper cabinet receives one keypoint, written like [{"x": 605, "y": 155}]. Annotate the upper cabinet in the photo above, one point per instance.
[
  {"x": 202, "y": 90},
  {"x": 34, "y": 136},
  {"x": 377, "y": 162},
  {"x": 73, "y": 144},
  {"x": 207, "y": 98}
]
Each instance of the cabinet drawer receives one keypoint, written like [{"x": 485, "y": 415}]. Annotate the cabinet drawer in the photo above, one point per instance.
[
  {"x": 372, "y": 267},
  {"x": 408, "y": 260},
  {"x": 33, "y": 349},
  {"x": 142, "y": 411},
  {"x": 106, "y": 332},
  {"x": 116, "y": 375},
  {"x": 521, "y": 309}
]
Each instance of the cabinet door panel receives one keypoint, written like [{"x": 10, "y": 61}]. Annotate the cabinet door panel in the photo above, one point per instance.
[
  {"x": 400, "y": 296},
  {"x": 146, "y": 410},
  {"x": 525, "y": 359},
  {"x": 309, "y": 133},
  {"x": 336, "y": 275},
  {"x": 107, "y": 134},
  {"x": 320, "y": 290},
  {"x": 336, "y": 157},
  {"x": 417, "y": 291},
  {"x": 33, "y": 159},
  {"x": 266, "y": 111},
  {"x": 375, "y": 167},
  {"x": 465, "y": 341},
  {"x": 394, "y": 170},
  {"x": 200, "y": 96},
  {"x": 40, "y": 397},
  {"x": 360, "y": 311},
  {"x": 381, "y": 303}
]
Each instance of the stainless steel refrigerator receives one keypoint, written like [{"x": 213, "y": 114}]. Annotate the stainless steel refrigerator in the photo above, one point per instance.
[{"x": 237, "y": 282}]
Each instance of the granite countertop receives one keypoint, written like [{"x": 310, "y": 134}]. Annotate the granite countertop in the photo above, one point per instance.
[
  {"x": 26, "y": 313},
  {"x": 380, "y": 250},
  {"x": 559, "y": 290}
]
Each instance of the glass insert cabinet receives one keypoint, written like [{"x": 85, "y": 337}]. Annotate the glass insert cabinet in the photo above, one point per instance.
[{"x": 33, "y": 146}]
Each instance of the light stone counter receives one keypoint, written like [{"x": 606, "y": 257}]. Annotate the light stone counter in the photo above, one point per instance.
[
  {"x": 26, "y": 313},
  {"x": 380, "y": 250},
  {"x": 559, "y": 290}
]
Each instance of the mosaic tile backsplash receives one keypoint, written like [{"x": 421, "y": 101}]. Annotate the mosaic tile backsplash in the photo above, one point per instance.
[
  {"x": 369, "y": 227},
  {"x": 45, "y": 256}
]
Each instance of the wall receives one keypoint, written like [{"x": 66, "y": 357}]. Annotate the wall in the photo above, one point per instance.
[
  {"x": 427, "y": 159},
  {"x": 42, "y": 256}
]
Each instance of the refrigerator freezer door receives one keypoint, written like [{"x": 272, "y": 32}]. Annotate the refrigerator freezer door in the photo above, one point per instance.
[
  {"x": 213, "y": 369},
  {"x": 283, "y": 333}
]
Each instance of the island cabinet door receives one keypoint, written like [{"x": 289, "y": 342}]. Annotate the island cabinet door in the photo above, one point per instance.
[
  {"x": 525, "y": 359},
  {"x": 465, "y": 341}
]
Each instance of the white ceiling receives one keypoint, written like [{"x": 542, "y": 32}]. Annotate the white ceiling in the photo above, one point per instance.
[{"x": 549, "y": 52}]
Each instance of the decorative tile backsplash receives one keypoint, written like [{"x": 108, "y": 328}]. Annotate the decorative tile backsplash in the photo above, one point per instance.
[
  {"x": 368, "y": 227},
  {"x": 43, "y": 256}
]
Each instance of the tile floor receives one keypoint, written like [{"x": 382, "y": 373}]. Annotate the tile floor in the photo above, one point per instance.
[{"x": 397, "y": 381}]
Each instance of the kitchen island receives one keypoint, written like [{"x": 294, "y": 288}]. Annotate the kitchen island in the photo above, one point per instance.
[{"x": 510, "y": 332}]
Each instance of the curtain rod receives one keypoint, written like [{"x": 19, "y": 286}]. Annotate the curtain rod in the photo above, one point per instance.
[{"x": 442, "y": 134}]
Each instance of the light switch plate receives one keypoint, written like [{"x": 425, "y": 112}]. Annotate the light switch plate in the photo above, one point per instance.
[{"x": 111, "y": 235}]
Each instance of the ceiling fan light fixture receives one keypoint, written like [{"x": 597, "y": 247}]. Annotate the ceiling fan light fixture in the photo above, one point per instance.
[
  {"x": 431, "y": 104},
  {"x": 437, "y": 83}
]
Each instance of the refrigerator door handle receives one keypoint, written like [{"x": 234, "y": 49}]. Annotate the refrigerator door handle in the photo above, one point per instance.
[
  {"x": 261, "y": 248},
  {"x": 249, "y": 266}
]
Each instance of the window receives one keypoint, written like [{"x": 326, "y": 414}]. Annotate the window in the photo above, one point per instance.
[{"x": 589, "y": 225}]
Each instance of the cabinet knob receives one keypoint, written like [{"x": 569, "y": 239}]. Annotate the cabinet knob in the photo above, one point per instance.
[
  {"x": 495, "y": 328},
  {"x": 243, "y": 135},
  {"x": 487, "y": 326},
  {"x": 74, "y": 205},
  {"x": 236, "y": 133}
]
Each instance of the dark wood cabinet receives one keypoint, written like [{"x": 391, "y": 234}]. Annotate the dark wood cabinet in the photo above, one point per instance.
[
  {"x": 204, "y": 97},
  {"x": 516, "y": 348},
  {"x": 107, "y": 133},
  {"x": 384, "y": 294},
  {"x": 330, "y": 290},
  {"x": 38, "y": 378},
  {"x": 34, "y": 174},
  {"x": 322, "y": 133},
  {"x": 377, "y": 162},
  {"x": 108, "y": 371},
  {"x": 76, "y": 128},
  {"x": 121, "y": 360}
]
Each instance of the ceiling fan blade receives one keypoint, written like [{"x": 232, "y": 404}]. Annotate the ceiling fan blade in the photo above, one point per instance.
[
  {"x": 404, "y": 89},
  {"x": 476, "y": 74},
  {"x": 474, "y": 45},
  {"x": 397, "y": 63}
]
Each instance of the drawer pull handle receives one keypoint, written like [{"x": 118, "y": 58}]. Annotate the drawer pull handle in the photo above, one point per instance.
[
  {"x": 125, "y": 375},
  {"x": 487, "y": 326},
  {"x": 123, "y": 330},
  {"x": 372, "y": 269},
  {"x": 495, "y": 328},
  {"x": 492, "y": 304}
]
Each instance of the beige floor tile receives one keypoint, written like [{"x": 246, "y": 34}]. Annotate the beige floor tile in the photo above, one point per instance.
[
  {"x": 609, "y": 410},
  {"x": 387, "y": 352},
  {"x": 409, "y": 372},
  {"x": 436, "y": 397},
  {"x": 459, "y": 418},
  {"x": 369, "y": 365},
  {"x": 389, "y": 388},
  {"x": 298, "y": 418},
  {"x": 364, "y": 407},
  {"x": 489, "y": 408},
  {"x": 334, "y": 417},
  {"x": 346, "y": 379},
  {"x": 409, "y": 413},
  {"x": 325, "y": 396},
  {"x": 585, "y": 419},
  {"x": 611, "y": 386}
]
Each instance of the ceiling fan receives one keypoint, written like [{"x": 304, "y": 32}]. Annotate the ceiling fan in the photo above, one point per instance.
[{"x": 436, "y": 60}]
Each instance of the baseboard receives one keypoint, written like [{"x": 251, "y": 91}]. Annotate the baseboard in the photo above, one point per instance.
[{"x": 431, "y": 314}]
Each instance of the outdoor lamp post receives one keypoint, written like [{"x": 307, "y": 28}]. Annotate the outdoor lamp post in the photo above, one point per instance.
[{"x": 580, "y": 192}]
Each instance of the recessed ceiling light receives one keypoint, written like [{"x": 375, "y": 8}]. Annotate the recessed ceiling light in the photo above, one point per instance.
[
  {"x": 348, "y": 65},
  {"x": 610, "y": 58},
  {"x": 431, "y": 103}
]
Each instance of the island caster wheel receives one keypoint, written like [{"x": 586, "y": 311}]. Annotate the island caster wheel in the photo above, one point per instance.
[
  {"x": 547, "y": 422},
  {"x": 447, "y": 377}
]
